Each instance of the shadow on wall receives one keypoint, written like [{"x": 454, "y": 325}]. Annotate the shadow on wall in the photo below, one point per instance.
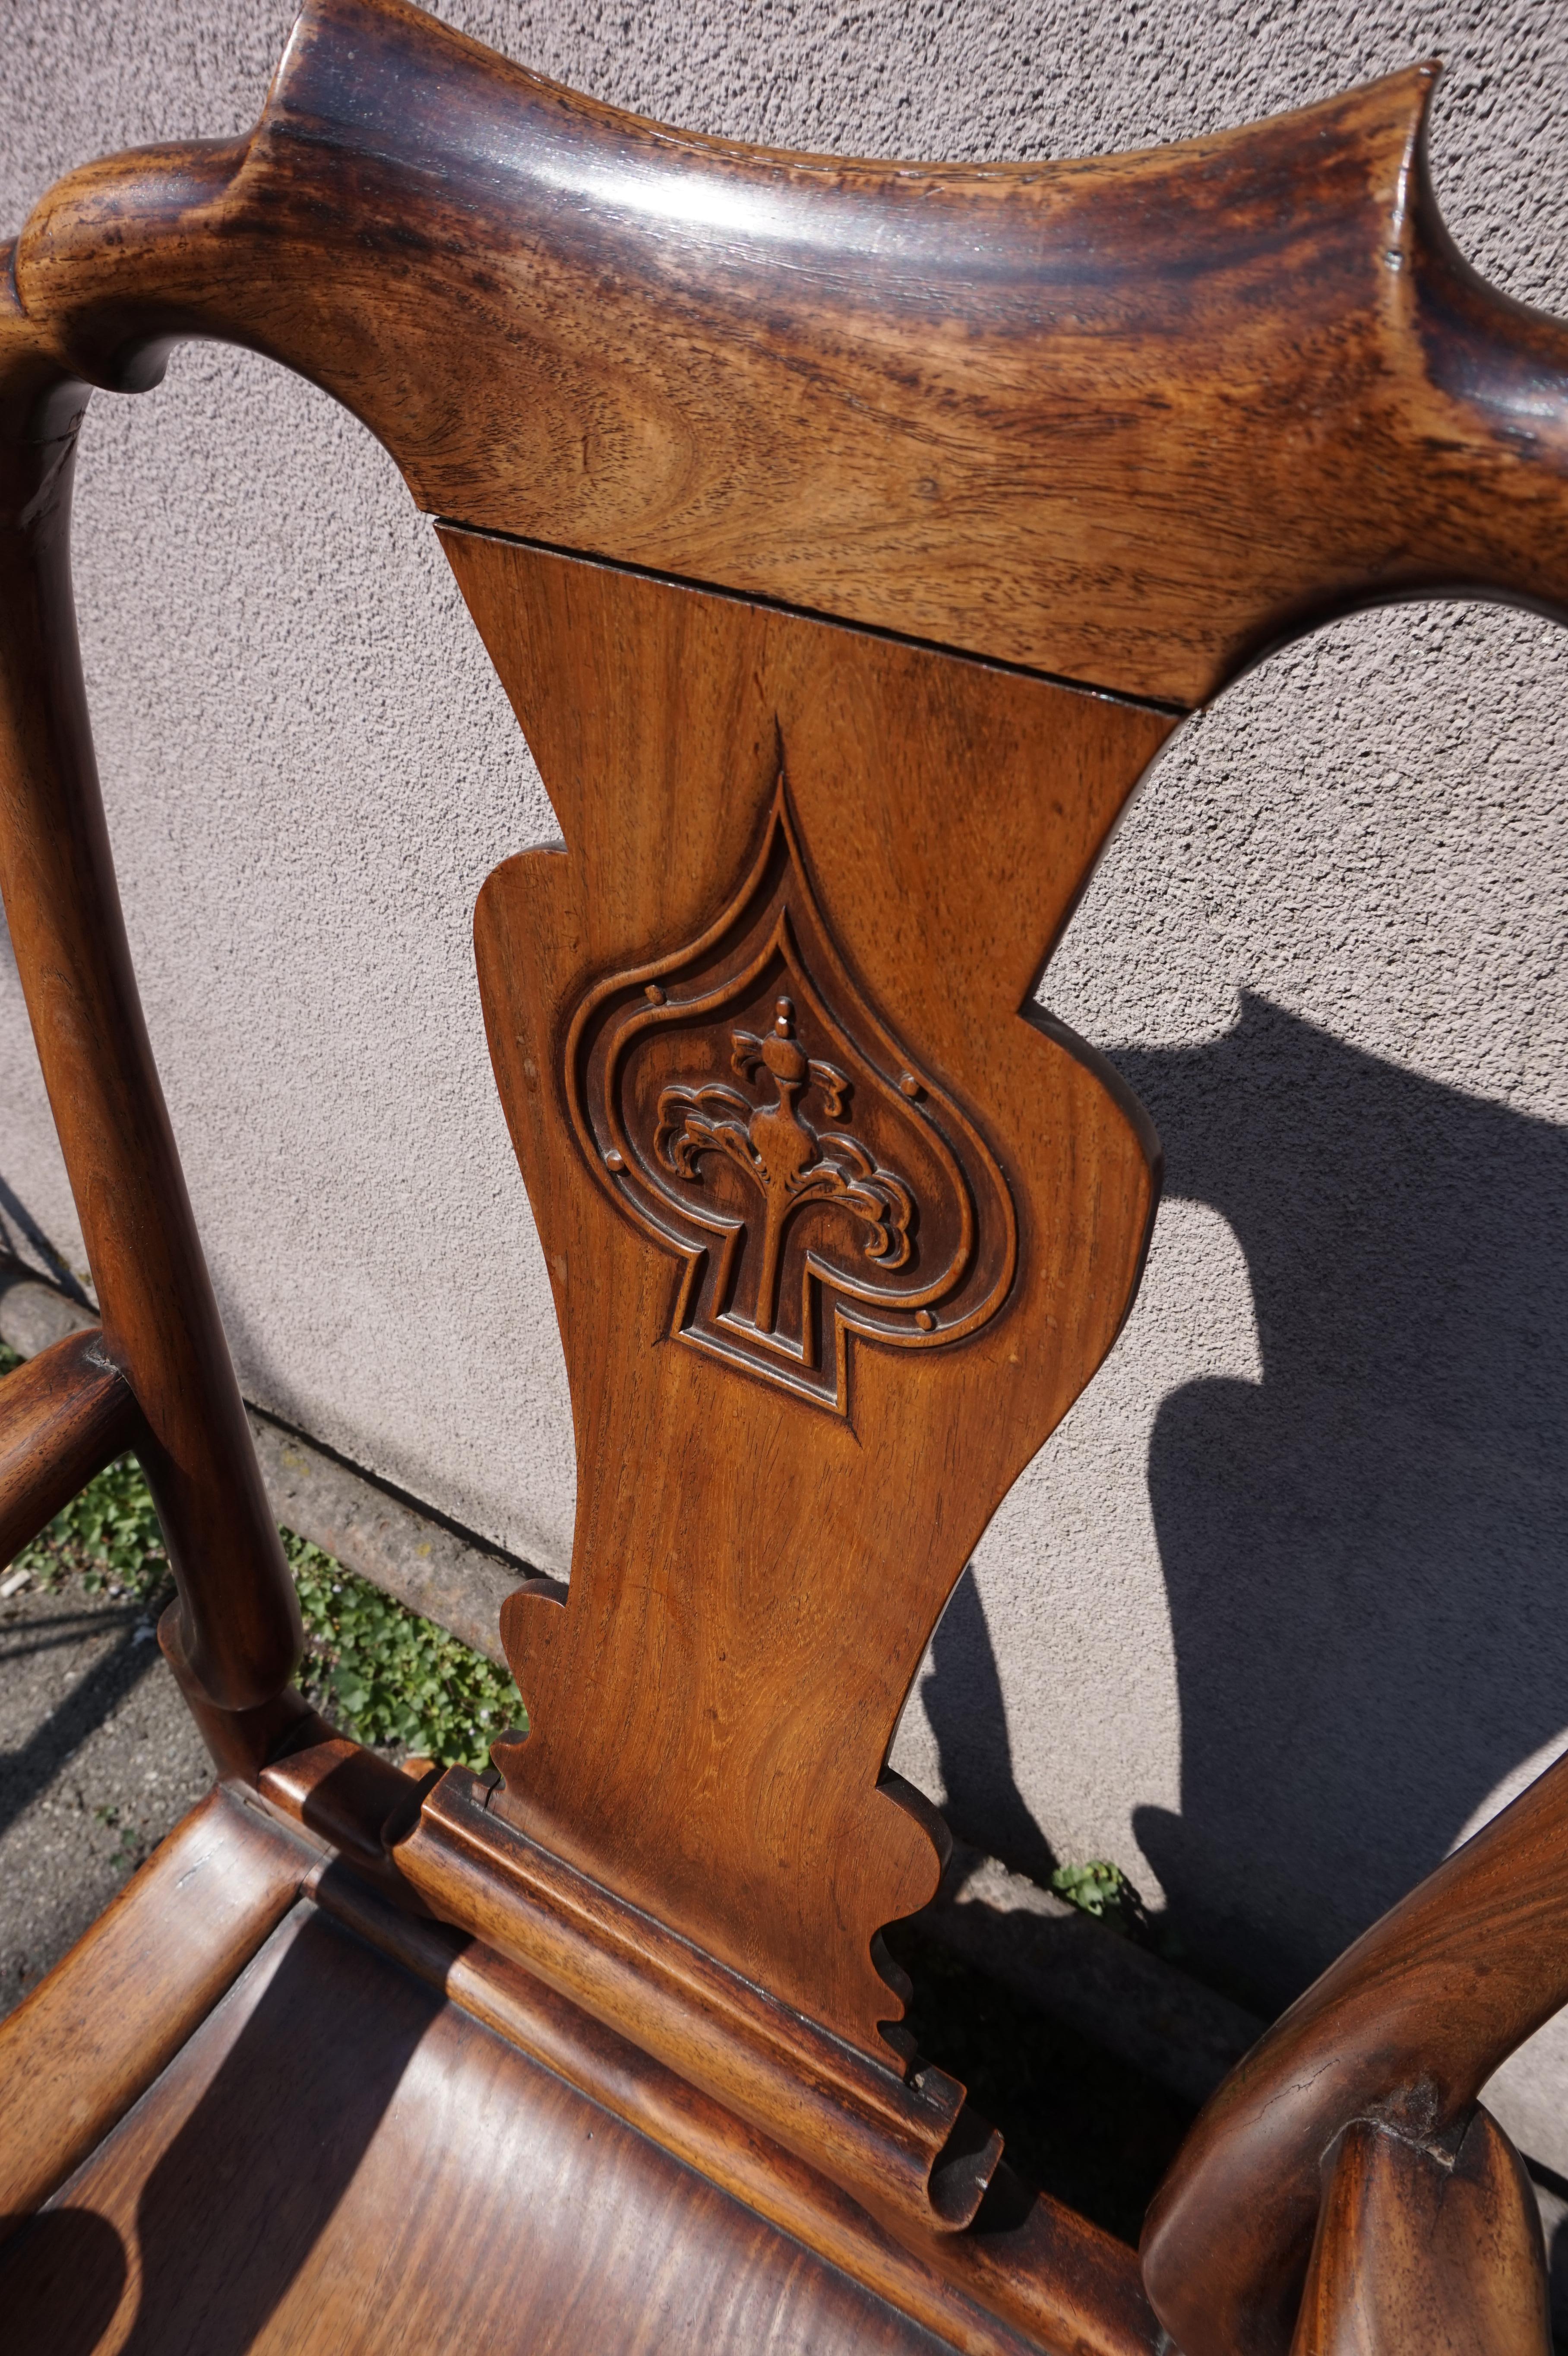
[
  {"x": 1365, "y": 1551},
  {"x": 963, "y": 1700},
  {"x": 21, "y": 1235}
]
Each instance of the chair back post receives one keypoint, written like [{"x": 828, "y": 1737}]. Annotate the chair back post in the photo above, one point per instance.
[{"x": 235, "y": 1634}]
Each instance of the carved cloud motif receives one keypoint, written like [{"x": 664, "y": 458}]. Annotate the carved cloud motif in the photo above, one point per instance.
[{"x": 835, "y": 1190}]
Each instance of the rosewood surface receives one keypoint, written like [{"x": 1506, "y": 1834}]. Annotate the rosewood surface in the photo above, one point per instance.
[
  {"x": 94, "y": 2034},
  {"x": 62, "y": 1418},
  {"x": 1405, "y": 2029},
  {"x": 1123, "y": 420},
  {"x": 756, "y": 1571},
  {"x": 1436, "y": 2250},
  {"x": 423, "y": 2187},
  {"x": 849, "y": 538}
]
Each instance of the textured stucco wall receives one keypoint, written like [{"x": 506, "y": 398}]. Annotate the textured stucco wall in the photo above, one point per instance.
[{"x": 1280, "y": 1610}]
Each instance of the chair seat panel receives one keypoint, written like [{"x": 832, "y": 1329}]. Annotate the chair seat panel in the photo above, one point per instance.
[
  {"x": 339, "y": 2159},
  {"x": 113, "y": 2013}
]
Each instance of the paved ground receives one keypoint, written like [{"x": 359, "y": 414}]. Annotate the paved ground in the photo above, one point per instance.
[{"x": 98, "y": 1759}]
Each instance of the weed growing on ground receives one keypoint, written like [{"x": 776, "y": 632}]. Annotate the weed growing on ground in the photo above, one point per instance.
[
  {"x": 378, "y": 1671},
  {"x": 387, "y": 1676},
  {"x": 1103, "y": 1890}
]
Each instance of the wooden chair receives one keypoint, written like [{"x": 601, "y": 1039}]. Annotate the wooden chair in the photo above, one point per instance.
[{"x": 848, "y": 537}]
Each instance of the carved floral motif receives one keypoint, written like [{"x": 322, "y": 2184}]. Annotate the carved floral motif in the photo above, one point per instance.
[
  {"x": 785, "y": 1158},
  {"x": 835, "y": 1190}
]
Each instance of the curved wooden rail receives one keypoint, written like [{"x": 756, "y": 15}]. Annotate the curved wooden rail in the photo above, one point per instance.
[
  {"x": 1404, "y": 2030},
  {"x": 63, "y": 1417},
  {"x": 1124, "y": 421},
  {"x": 239, "y": 1619}
]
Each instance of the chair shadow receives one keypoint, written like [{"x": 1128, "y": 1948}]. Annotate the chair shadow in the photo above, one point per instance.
[
  {"x": 61, "y": 2274},
  {"x": 16, "y": 1215},
  {"x": 237, "y": 2204},
  {"x": 963, "y": 1700},
  {"x": 310, "y": 2048},
  {"x": 1363, "y": 1551},
  {"x": 29, "y": 1770}
]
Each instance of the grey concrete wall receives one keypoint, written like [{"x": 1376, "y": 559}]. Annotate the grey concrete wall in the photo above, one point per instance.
[{"x": 1279, "y": 1614}]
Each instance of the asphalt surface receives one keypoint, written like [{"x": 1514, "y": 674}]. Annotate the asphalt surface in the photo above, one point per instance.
[{"x": 98, "y": 1760}]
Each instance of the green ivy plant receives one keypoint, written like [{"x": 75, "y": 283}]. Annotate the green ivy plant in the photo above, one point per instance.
[
  {"x": 1103, "y": 1890},
  {"x": 109, "y": 1534},
  {"x": 384, "y": 1675},
  {"x": 387, "y": 1676}
]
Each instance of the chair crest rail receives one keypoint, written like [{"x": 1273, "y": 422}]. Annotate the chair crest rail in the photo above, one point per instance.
[{"x": 1124, "y": 421}]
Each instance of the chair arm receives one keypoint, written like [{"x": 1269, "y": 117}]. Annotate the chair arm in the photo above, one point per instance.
[
  {"x": 1404, "y": 2031},
  {"x": 63, "y": 1417},
  {"x": 1419, "y": 2251}
]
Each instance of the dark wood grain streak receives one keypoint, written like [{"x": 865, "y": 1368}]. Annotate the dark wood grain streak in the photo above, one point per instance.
[
  {"x": 1406, "y": 2027},
  {"x": 63, "y": 1416},
  {"x": 1416, "y": 2250},
  {"x": 339, "y": 2160},
  {"x": 1028, "y": 2266},
  {"x": 1124, "y": 421},
  {"x": 1061, "y": 2281},
  {"x": 838, "y": 1224},
  {"x": 93, "y": 2035},
  {"x": 238, "y": 1618}
]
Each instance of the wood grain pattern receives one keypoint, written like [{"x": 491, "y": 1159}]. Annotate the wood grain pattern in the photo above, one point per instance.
[
  {"x": 339, "y": 2162},
  {"x": 93, "y": 2034},
  {"x": 878, "y": 1209},
  {"x": 1029, "y": 2273},
  {"x": 837, "y": 1226},
  {"x": 1406, "y": 2027},
  {"x": 754, "y": 1578},
  {"x": 913, "y": 2149},
  {"x": 1124, "y": 421},
  {"x": 63, "y": 1416},
  {"x": 238, "y": 1618},
  {"x": 1417, "y": 2249}
]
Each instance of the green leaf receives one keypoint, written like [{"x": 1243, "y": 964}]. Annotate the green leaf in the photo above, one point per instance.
[{"x": 384, "y": 1674}]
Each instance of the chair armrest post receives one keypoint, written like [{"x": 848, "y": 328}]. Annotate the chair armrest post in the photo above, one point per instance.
[{"x": 1404, "y": 2030}]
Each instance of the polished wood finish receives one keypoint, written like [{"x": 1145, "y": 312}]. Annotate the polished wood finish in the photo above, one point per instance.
[
  {"x": 711, "y": 1706},
  {"x": 93, "y": 2035},
  {"x": 338, "y": 2161},
  {"x": 848, "y": 537},
  {"x": 908, "y": 2147},
  {"x": 914, "y": 2164},
  {"x": 347, "y": 1797},
  {"x": 1029, "y": 2273},
  {"x": 63, "y": 1416},
  {"x": 1124, "y": 421},
  {"x": 1406, "y": 2027},
  {"x": 1429, "y": 2250},
  {"x": 238, "y": 1618},
  {"x": 203, "y": 1906},
  {"x": 239, "y": 1741}
]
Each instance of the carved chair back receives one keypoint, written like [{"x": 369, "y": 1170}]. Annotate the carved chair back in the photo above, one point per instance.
[{"x": 849, "y": 539}]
